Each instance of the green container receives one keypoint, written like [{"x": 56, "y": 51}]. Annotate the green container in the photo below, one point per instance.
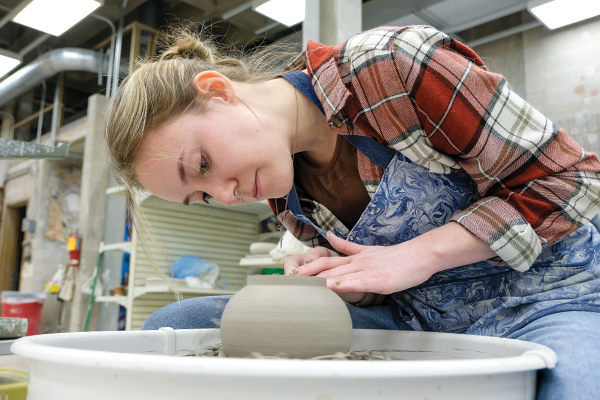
[
  {"x": 273, "y": 271},
  {"x": 13, "y": 384}
]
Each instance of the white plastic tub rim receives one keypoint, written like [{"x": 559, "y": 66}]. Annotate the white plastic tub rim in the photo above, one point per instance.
[
  {"x": 422, "y": 361},
  {"x": 135, "y": 349}
]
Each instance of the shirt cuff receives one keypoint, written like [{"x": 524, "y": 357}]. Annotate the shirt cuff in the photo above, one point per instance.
[
  {"x": 370, "y": 299},
  {"x": 504, "y": 229}
]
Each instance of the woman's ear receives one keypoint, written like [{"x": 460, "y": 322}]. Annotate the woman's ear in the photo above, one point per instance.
[{"x": 215, "y": 85}]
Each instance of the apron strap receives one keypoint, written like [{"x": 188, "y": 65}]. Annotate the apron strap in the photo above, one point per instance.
[
  {"x": 303, "y": 83},
  {"x": 378, "y": 153}
]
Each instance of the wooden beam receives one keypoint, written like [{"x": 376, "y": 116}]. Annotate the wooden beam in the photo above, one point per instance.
[
  {"x": 33, "y": 116},
  {"x": 126, "y": 29}
]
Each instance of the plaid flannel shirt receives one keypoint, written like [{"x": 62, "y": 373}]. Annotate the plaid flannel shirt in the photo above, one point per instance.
[{"x": 431, "y": 98}]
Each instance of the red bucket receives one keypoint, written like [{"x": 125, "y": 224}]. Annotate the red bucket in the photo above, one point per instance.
[{"x": 24, "y": 305}]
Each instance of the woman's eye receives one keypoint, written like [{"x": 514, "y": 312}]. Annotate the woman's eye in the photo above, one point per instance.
[
  {"x": 206, "y": 197},
  {"x": 203, "y": 166}
]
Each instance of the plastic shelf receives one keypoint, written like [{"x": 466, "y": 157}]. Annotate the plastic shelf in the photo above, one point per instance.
[
  {"x": 121, "y": 300},
  {"x": 142, "y": 290}
]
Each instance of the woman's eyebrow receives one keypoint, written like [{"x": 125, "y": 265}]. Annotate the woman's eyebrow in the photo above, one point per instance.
[
  {"x": 181, "y": 170},
  {"x": 182, "y": 176}
]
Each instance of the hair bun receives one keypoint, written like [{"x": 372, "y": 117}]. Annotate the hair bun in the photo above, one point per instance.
[{"x": 189, "y": 47}]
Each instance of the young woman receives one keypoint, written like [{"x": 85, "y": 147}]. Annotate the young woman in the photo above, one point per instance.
[{"x": 433, "y": 196}]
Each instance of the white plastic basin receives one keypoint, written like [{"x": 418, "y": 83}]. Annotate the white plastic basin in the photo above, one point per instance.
[{"x": 136, "y": 365}]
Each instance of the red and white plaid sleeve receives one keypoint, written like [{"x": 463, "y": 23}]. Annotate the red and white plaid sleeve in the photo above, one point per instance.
[{"x": 435, "y": 101}]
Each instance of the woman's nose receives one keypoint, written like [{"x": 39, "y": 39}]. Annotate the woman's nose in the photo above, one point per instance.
[{"x": 225, "y": 194}]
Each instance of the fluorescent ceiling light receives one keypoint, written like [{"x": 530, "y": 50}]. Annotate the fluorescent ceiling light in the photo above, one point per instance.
[
  {"x": 557, "y": 13},
  {"x": 288, "y": 12},
  {"x": 55, "y": 16},
  {"x": 8, "y": 61}
]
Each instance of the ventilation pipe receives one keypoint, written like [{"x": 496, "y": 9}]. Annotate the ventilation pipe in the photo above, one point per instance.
[{"x": 46, "y": 66}]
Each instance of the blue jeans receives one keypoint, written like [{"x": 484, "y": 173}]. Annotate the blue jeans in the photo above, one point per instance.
[
  {"x": 205, "y": 312},
  {"x": 573, "y": 335}
]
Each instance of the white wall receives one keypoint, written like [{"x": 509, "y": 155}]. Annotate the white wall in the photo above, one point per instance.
[
  {"x": 562, "y": 77},
  {"x": 558, "y": 72}
]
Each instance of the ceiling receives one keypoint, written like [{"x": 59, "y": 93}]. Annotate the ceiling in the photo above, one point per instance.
[
  {"x": 447, "y": 15},
  {"x": 234, "y": 22}
]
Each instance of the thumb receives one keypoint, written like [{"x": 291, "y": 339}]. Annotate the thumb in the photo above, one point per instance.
[{"x": 343, "y": 246}]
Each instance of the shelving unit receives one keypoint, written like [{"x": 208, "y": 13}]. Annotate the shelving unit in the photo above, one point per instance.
[
  {"x": 115, "y": 190},
  {"x": 126, "y": 247},
  {"x": 120, "y": 300},
  {"x": 259, "y": 261},
  {"x": 219, "y": 234},
  {"x": 122, "y": 246},
  {"x": 141, "y": 291},
  {"x": 269, "y": 236}
]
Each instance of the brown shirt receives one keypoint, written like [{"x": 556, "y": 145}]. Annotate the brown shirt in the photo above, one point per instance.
[{"x": 337, "y": 185}]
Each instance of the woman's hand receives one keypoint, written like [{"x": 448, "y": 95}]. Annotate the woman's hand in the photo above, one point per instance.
[
  {"x": 376, "y": 269},
  {"x": 292, "y": 265},
  {"x": 389, "y": 269}
]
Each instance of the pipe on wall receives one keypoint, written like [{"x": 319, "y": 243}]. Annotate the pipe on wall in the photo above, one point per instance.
[
  {"x": 46, "y": 66},
  {"x": 117, "y": 59}
]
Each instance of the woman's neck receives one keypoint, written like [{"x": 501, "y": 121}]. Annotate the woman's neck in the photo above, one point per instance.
[
  {"x": 275, "y": 102},
  {"x": 318, "y": 141}
]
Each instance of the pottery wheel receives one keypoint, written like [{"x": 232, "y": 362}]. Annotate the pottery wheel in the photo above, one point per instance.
[{"x": 12, "y": 328}]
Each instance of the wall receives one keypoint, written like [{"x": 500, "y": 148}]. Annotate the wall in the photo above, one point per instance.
[
  {"x": 558, "y": 72},
  {"x": 55, "y": 208},
  {"x": 57, "y": 216},
  {"x": 506, "y": 57},
  {"x": 562, "y": 70}
]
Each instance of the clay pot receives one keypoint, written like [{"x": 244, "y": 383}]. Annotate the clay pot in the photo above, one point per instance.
[{"x": 295, "y": 315}]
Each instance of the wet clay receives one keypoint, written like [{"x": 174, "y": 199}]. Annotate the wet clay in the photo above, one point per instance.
[
  {"x": 12, "y": 328},
  {"x": 364, "y": 355},
  {"x": 293, "y": 315}
]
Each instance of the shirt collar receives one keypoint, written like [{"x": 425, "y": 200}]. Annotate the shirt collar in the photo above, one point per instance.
[{"x": 322, "y": 67}]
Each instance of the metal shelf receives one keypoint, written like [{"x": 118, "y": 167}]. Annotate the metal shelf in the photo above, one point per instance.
[
  {"x": 120, "y": 300},
  {"x": 260, "y": 208},
  {"x": 126, "y": 247},
  {"x": 142, "y": 290},
  {"x": 14, "y": 149},
  {"x": 269, "y": 236},
  {"x": 116, "y": 190},
  {"x": 259, "y": 261}
]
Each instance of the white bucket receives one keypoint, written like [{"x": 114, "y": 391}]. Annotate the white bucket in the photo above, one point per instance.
[{"x": 135, "y": 365}]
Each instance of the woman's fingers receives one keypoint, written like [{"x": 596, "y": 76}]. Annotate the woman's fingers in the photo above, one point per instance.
[
  {"x": 348, "y": 284},
  {"x": 321, "y": 265},
  {"x": 343, "y": 246},
  {"x": 292, "y": 264},
  {"x": 341, "y": 269}
]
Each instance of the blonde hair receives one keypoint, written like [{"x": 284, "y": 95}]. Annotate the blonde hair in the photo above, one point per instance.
[{"x": 160, "y": 89}]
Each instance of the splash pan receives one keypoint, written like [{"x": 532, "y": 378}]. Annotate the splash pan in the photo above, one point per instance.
[{"x": 137, "y": 365}]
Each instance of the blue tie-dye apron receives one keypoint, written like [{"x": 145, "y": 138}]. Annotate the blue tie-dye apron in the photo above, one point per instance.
[{"x": 481, "y": 298}]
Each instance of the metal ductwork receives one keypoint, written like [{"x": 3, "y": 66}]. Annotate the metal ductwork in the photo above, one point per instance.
[{"x": 46, "y": 66}]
